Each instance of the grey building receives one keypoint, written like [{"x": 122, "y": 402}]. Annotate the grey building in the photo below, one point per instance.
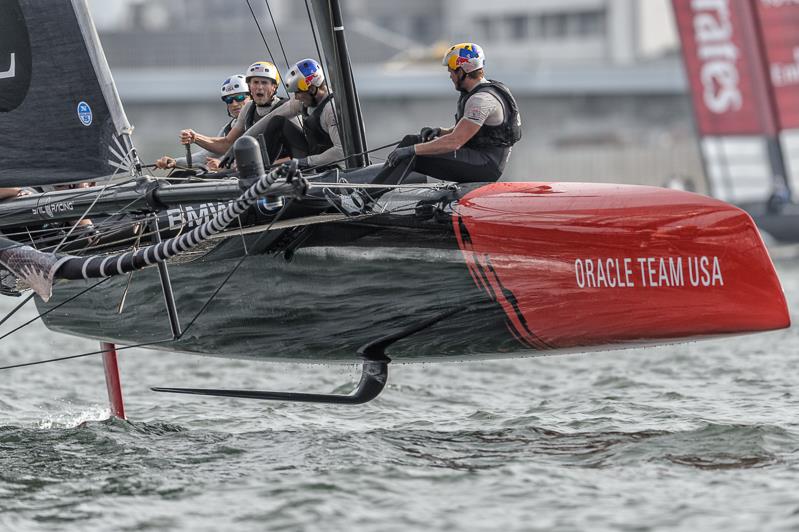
[{"x": 601, "y": 89}]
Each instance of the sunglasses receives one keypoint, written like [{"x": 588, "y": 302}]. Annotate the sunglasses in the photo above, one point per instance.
[{"x": 234, "y": 98}]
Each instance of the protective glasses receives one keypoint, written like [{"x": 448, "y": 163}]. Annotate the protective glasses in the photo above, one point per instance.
[{"x": 234, "y": 98}]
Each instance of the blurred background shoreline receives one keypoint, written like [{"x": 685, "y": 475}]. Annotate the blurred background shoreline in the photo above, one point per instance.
[{"x": 600, "y": 83}]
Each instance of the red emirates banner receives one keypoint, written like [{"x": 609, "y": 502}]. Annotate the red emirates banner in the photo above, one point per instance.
[
  {"x": 779, "y": 32},
  {"x": 725, "y": 66}
]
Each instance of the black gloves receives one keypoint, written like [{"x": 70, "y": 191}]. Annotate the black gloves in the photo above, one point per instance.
[
  {"x": 399, "y": 155},
  {"x": 429, "y": 133}
]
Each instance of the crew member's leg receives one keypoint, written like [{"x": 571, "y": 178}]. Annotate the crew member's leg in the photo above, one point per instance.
[
  {"x": 462, "y": 166},
  {"x": 392, "y": 175}
]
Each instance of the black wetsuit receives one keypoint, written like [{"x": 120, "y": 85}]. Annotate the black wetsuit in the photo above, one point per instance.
[
  {"x": 252, "y": 114},
  {"x": 284, "y": 137}
]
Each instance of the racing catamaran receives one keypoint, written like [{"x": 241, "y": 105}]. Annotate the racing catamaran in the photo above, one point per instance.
[
  {"x": 742, "y": 62},
  {"x": 424, "y": 271}
]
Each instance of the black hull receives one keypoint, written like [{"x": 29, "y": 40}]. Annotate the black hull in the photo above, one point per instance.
[
  {"x": 501, "y": 270},
  {"x": 322, "y": 306}
]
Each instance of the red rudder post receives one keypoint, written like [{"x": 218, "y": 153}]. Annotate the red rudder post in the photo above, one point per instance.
[{"x": 112, "y": 381}]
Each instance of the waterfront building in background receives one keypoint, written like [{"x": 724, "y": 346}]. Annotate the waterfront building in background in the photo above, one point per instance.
[{"x": 601, "y": 80}]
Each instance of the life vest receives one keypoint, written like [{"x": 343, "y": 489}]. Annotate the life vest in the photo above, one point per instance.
[
  {"x": 228, "y": 127},
  {"x": 253, "y": 116},
  {"x": 506, "y": 134},
  {"x": 318, "y": 139}
]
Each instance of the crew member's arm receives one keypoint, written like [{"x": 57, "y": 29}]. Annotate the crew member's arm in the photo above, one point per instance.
[
  {"x": 289, "y": 109},
  {"x": 211, "y": 144},
  {"x": 451, "y": 141},
  {"x": 218, "y": 144},
  {"x": 13, "y": 193},
  {"x": 336, "y": 152},
  {"x": 197, "y": 157},
  {"x": 478, "y": 109}
]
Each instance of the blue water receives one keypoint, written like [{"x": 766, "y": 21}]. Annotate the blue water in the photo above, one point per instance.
[{"x": 703, "y": 436}]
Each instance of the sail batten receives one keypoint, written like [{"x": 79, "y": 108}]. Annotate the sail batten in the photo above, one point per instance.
[{"x": 60, "y": 112}]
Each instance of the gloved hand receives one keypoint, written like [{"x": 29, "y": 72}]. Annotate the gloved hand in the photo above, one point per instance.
[
  {"x": 302, "y": 163},
  {"x": 429, "y": 133},
  {"x": 399, "y": 155}
]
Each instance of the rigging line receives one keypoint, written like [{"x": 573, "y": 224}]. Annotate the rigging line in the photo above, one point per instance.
[
  {"x": 313, "y": 32},
  {"x": 100, "y": 245},
  {"x": 44, "y": 242},
  {"x": 104, "y": 232},
  {"x": 17, "y": 308},
  {"x": 268, "y": 50},
  {"x": 76, "y": 195},
  {"x": 48, "y": 311},
  {"x": 353, "y": 155},
  {"x": 233, "y": 270},
  {"x": 319, "y": 54},
  {"x": 277, "y": 33},
  {"x": 81, "y": 355},
  {"x": 85, "y": 213},
  {"x": 104, "y": 225}
]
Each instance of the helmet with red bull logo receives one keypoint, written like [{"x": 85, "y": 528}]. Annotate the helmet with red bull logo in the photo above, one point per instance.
[
  {"x": 467, "y": 56},
  {"x": 303, "y": 75},
  {"x": 263, "y": 69}
]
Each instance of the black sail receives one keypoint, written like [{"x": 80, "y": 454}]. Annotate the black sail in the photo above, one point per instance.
[{"x": 61, "y": 119}]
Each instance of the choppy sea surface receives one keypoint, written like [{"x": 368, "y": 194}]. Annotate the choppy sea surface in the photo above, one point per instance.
[{"x": 702, "y": 436}]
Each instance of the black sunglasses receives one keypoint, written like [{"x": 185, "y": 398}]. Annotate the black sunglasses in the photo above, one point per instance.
[{"x": 234, "y": 98}]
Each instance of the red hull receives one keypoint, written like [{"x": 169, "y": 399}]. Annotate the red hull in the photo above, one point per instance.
[{"x": 576, "y": 264}]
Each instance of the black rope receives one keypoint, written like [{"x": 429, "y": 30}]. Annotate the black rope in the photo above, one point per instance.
[
  {"x": 268, "y": 50},
  {"x": 17, "y": 308},
  {"x": 235, "y": 267},
  {"x": 48, "y": 311},
  {"x": 81, "y": 355},
  {"x": 277, "y": 33},
  {"x": 313, "y": 32},
  {"x": 383, "y": 147},
  {"x": 263, "y": 37}
]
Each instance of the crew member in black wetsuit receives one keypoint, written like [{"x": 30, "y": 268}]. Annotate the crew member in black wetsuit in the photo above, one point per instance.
[
  {"x": 478, "y": 146},
  {"x": 262, "y": 81},
  {"x": 317, "y": 142}
]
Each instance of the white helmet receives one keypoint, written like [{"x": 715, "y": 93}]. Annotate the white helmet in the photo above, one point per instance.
[
  {"x": 263, "y": 69},
  {"x": 467, "y": 56},
  {"x": 234, "y": 85},
  {"x": 303, "y": 75}
]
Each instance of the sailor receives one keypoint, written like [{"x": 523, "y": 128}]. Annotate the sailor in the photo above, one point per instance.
[
  {"x": 262, "y": 80},
  {"x": 6, "y": 193},
  {"x": 235, "y": 94},
  {"x": 317, "y": 142},
  {"x": 477, "y": 147}
]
